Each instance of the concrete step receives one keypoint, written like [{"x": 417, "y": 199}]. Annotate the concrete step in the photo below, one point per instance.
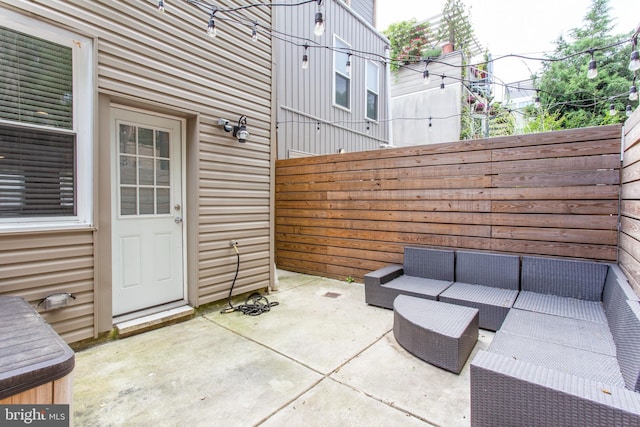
[{"x": 138, "y": 325}]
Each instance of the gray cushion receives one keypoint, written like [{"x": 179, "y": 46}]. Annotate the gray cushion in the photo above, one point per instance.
[
  {"x": 561, "y": 306},
  {"x": 562, "y": 277},
  {"x": 489, "y": 269},
  {"x": 430, "y": 263}
]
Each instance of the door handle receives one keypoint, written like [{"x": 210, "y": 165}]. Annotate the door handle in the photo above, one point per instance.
[{"x": 178, "y": 220}]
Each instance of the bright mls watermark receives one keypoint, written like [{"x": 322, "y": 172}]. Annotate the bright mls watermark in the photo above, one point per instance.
[{"x": 34, "y": 415}]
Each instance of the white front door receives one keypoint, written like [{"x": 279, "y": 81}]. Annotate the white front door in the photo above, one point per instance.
[{"x": 148, "y": 212}]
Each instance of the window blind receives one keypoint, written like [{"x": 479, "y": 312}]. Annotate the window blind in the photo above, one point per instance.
[{"x": 36, "y": 80}]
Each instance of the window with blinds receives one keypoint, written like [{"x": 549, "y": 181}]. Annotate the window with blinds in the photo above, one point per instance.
[{"x": 37, "y": 138}]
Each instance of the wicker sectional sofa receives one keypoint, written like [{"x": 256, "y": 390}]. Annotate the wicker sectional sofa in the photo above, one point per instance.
[{"x": 567, "y": 347}]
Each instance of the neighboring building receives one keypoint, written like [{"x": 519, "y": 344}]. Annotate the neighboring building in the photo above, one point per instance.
[
  {"x": 326, "y": 107},
  {"x": 518, "y": 96},
  {"x": 426, "y": 113},
  {"x": 423, "y": 112},
  {"x": 117, "y": 184}
]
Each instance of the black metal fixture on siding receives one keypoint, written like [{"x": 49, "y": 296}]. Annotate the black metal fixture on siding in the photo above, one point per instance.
[{"x": 239, "y": 131}]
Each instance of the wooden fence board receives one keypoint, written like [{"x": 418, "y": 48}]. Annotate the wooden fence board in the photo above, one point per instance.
[{"x": 554, "y": 194}]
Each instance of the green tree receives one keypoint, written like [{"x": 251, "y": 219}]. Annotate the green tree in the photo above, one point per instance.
[{"x": 570, "y": 99}]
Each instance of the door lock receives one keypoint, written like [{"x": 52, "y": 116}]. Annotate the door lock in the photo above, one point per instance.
[{"x": 178, "y": 220}]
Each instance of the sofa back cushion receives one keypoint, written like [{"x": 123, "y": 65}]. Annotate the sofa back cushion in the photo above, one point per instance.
[
  {"x": 563, "y": 277},
  {"x": 429, "y": 263},
  {"x": 485, "y": 268},
  {"x": 627, "y": 339}
]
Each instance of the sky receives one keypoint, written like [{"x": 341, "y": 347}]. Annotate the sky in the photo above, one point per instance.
[{"x": 515, "y": 26}]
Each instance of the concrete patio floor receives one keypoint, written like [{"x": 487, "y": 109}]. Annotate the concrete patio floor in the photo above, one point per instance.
[{"x": 316, "y": 359}]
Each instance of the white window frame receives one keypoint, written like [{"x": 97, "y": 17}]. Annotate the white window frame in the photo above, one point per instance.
[
  {"x": 335, "y": 71},
  {"x": 83, "y": 116},
  {"x": 376, "y": 92}
]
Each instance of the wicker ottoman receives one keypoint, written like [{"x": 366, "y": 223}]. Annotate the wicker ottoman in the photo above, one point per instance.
[{"x": 439, "y": 333}]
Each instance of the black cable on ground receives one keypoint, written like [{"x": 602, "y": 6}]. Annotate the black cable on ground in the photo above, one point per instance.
[{"x": 255, "y": 304}]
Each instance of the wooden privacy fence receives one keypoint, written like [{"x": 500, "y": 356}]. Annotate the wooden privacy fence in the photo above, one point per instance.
[
  {"x": 629, "y": 254},
  {"x": 554, "y": 194}
]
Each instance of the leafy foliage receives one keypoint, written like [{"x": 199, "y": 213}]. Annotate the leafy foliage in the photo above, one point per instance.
[
  {"x": 569, "y": 98},
  {"x": 408, "y": 41}
]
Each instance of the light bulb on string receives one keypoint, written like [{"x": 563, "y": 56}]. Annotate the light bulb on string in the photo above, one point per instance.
[
  {"x": 254, "y": 32},
  {"x": 161, "y": 6},
  {"x": 211, "y": 28},
  {"x": 612, "y": 110},
  {"x": 305, "y": 58},
  {"x": 633, "y": 91},
  {"x": 536, "y": 102},
  {"x": 628, "y": 110},
  {"x": 318, "y": 29},
  {"x": 592, "y": 72},
  {"x": 442, "y": 83},
  {"x": 347, "y": 67},
  {"x": 634, "y": 61},
  {"x": 426, "y": 78}
]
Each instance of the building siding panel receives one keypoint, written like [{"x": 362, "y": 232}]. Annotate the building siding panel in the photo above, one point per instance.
[
  {"x": 306, "y": 96},
  {"x": 168, "y": 60}
]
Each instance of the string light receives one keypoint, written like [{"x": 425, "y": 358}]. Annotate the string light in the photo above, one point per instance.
[
  {"x": 348, "y": 65},
  {"x": 161, "y": 6},
  {"x": 628, "y": 110},
  {"x": 633, "y": 91},
  {"x": 612, "y": 110},
  {"x": 426, "y": 79},
  {"x": 592, "y": 72},
  {"x": 254, "y": 32},
  {"x": 318, "y": 29},
  {"x": 634, "y": 62},
  {"x": 305, "y": 58},
  {"x": 536, "y": 102},
  {"x": 211, "y": 28},
  {"x": 442, "y": 83}
]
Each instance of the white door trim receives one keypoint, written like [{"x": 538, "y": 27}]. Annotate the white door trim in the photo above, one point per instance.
[{"x": 183, "y": 181}]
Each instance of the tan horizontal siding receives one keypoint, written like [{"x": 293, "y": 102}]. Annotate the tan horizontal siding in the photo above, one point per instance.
[
  {"x": 552, "y": 194},
  {"x": 35, "y": 265},
  {"x": 170, "y": 62}
]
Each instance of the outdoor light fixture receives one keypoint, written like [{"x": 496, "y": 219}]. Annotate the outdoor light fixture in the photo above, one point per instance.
[
  {"x": 240, "y": 131},
  {"x": 536, "y": 101},
  {"x": 254, "y": 32},
  {"x": 633, "y": 91},
  {"x": 161, "y": 6},
  {"x": 592, "y": 73},
  {"x": 305, "y": 58},
  {"x": 634, "y": 62},
  {"x": 426, "y": 78},
  {"x": 211, "y": 28},
  {"x": 612, "y": 110},
  {"x": 628, "y": 110},
  {"x": 318, "y": 30},
  {"x": 348, "y": 64},
  {"x": 442, "y": 83},
  {"x": 53, "y": 301}
]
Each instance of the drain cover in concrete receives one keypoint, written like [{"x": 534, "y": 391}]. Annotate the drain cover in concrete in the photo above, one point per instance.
[{"x": 331, "y": 295}]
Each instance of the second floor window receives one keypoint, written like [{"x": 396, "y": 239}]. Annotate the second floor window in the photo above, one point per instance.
[
  {"x": 373, "y": 90},
  {"x": 342, "y": 78}
]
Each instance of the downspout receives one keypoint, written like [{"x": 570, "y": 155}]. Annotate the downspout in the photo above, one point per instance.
[{"x": 387, "y": 70}]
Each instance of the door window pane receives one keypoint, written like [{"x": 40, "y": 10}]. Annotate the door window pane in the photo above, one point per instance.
[
  {"x": 147, "y": 202},
  {"x": 145, "y": 177},
  {"x": 146, "y": 171},
  {"x": 128, "y": 201},
  {"x": 163, "y": 200}
]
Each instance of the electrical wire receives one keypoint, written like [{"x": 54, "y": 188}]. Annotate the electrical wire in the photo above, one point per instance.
[{"x": 254, "y": 305}]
